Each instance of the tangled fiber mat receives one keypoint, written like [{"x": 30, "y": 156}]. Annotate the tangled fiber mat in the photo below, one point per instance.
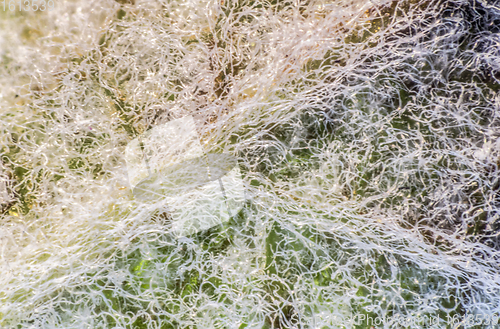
[{"x": 366, "y": 134}]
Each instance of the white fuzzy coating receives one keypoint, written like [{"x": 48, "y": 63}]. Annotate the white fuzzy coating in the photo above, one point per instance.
[{"x": 367, "y": 134}]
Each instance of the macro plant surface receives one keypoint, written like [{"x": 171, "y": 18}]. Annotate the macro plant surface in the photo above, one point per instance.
[{"x": 367, "y": 135}]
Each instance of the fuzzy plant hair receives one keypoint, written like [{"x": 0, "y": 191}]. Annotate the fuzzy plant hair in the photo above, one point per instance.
[{"x": 366, "y": 136}]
